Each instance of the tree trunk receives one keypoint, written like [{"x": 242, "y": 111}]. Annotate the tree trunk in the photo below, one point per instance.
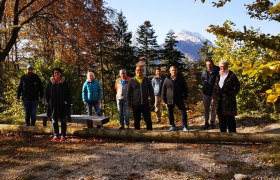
[{"x": 155, "y": 135}]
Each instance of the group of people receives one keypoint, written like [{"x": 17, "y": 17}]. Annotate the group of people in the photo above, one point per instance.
[{"x": 139, "y": 94}]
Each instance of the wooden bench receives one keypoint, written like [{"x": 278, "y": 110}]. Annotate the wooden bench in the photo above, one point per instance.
[{"x": 82, "y": 119}]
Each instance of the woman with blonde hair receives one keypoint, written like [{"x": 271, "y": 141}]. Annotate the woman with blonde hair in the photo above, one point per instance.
[{"x": 92, "y": 95}]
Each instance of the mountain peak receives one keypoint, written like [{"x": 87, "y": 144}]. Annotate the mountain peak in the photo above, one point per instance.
[{"x": 185, "y": 35}]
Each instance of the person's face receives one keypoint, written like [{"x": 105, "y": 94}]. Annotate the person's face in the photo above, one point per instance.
[
  {"x": 91, "y": 77},
  {"x": 173, "y": 72},
  {"x": 29, "y": 71},
  {"x": 158, "y": 73},
  {"x": 209, "y": 65},
  {"x": 123, "y": 74},
  {"x": 223, "y": 68},
  {"x": 139, "y": 71},
  {"x": 56, "y": 74}
]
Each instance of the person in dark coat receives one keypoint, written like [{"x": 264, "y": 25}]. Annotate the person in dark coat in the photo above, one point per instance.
[
  {"x": 30, "y": 89},
  {"x": 174, "y": 91},
  {"x": 58, "y": 99},
  {"x": 226, "y": 89},
  {"x": 138, "y": 93},
  {"x": 208, "y": 80}
]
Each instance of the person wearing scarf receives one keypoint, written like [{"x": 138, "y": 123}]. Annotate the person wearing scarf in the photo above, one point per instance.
[
  {"x": 140, "y": 98},
  {"x": 226, "y": 89}
]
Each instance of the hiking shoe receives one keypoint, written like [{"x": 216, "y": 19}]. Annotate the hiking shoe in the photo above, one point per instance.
[
  {"x": 172, "y": 128},
  {"x": 62, "y": 139},
  {"x": 185, "y": 129},
  {"x": 206, "y": 126},
  {"x": 54, "y": 139},
  {"x": 122, "y": 127},
  {"x": 212, "y": 126}
]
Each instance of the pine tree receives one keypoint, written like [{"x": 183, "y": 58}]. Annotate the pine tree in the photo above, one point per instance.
[
  {"x": 124, "y": 52},
  {"x": 170, "y": 55},
  {"x": 147, "y": 43}
]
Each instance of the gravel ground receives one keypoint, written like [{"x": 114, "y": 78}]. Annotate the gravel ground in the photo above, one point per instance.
[{"x": 25, "y": 156}]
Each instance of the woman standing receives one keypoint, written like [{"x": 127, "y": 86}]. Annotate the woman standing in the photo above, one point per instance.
[
  {"x": 92, "y": 95},
  {"x": 226, "y": 88},
  {"x": 58, "y": 98}
]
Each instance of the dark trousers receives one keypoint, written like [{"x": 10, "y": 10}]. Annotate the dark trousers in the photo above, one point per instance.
[
  {"x": 181, "y": 106},
  {"x": 95, "y": 104},
  {"x": 56, "y": 127},
  {"x": 30, "y": 108},
  {"x": 145, "y": 110},
  {"x": 227, "y": 122}
]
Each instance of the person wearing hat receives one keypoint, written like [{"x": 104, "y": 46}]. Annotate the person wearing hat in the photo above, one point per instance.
[{"x": 30, "y": 89}]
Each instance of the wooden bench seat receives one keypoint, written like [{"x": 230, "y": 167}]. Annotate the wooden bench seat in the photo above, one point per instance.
[{"x": 82, "y": 119}]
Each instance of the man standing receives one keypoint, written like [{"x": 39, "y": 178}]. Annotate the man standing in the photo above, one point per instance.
[
  {"x": 208, "y": 80},
  {"x": 174, "y": 91},
  {"x": 121, "y": 88},
  {"x": 138, "y": 93},
  {"x": 30, "y": 89},
  {"x": 157, "y": 83}
]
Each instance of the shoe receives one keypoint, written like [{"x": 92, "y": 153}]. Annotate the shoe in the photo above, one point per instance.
[
  {"x": 172, "y": 128},
  {"x": 185, "y": 129},
  {"x": 206, "y": 126},
  {"x": 122, "y": 127},
  {"x": 212, "y": 126},
  {"x": 62, "y": 139},
  {"x": 54, "y": 139}
]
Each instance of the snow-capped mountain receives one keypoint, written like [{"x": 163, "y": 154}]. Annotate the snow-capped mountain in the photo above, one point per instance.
[{"x": 189, "y": 43}]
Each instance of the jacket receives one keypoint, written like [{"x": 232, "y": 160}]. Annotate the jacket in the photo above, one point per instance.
[
  {"x": 91, "y": 91},
  {"x": 58, "y": 98},
  {"x": 121, "y": 88},
  {"x": 225, "y": 97},
  {"x": 30, "y": 87},
  {"x": 208, "y": 80},
  {"x": 139, "y": 94},
  {"x": 157, "y": 85},
  {"x": 174, "y": 91}
]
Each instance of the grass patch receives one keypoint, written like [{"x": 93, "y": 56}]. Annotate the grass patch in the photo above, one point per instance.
[{"x": 11, "y": 120}]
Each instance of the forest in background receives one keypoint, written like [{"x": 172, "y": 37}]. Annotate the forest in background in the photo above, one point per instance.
[{"x": 86, "y": 35}]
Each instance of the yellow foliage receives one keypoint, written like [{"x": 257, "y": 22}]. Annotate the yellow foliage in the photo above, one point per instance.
[
  {"x": 269, "y": 91},
  {"x": 272, "y": 98}
]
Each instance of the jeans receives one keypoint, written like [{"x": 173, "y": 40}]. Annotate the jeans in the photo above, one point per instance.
[
  {"x": 123, "y": 111},
  {"x": 183, "y": 110},
  {"x": 63, "y": 126},
  {"x": 145, "y": 110},
  {"x": 95, "y": 104},
  {"x": 30, "y": 108},
  {"x": 208, "y": 109}
]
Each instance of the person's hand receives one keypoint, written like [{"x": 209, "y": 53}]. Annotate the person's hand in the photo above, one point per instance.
[{"x": 85, "y": 103}]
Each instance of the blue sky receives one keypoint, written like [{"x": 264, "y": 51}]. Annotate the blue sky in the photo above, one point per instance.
[{"x": 188, "y": 15}]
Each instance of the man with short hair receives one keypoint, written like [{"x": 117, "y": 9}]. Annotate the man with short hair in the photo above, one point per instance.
[
  {"x": 121, "y": 88},
  {"x": 157, "y": 83},
  {"x": 174, "y": 91},
  {"x": 140, "y": 90},
  {"x": 208, "y": 80},
  {"x": 30, "y": 89}
]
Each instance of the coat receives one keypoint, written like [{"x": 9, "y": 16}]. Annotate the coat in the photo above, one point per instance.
[
  {"x": 91, "y": 91},
  {"x": 30, "y": 87},
  {"x": 208, "y": 80},
  {"x": 139, "y": 94},
  {"x": 157, "y": 84},
  {"x": 58, "y": 99},
  {"x": 174, "y": 91},
  {"x": 225, "y": 97},
  {"x": 121, "y": 88}
]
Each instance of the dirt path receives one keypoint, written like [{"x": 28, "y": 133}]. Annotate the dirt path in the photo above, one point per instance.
[{"x": 25, "y": 156}]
